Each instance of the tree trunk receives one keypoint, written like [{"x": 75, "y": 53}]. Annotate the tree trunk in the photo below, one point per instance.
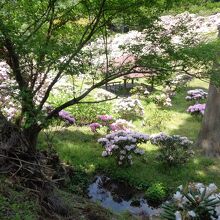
[
  {"x": 31, "y": 135},
  {"x": 12, "y": 139},
  {"x": 209, "y": 137}
]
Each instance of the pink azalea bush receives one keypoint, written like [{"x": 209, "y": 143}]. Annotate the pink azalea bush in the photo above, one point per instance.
[
  {"x": 111, "y": 125},
  {"x": 121, "y": 124},
  {"x": 198, "y": 109},
  {"x": 94, "y": 126}
]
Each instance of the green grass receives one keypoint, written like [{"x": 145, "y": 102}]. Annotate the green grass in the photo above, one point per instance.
[
  {"x": 78, "y": 146},
  {"x": 202, "y": 8}
]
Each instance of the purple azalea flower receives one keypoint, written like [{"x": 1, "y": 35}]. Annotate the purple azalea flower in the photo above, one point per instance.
[
  {"x": 94, "y": 126},
  {"x": 197, "y": 108},
  {"x": 66, "y": 117}
]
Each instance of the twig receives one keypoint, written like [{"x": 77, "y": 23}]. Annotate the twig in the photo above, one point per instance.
[
  {"x": 18, "y": 168},
  {"x": 24, "y": 161}
]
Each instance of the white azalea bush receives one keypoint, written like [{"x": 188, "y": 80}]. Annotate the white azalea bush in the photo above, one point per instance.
[
  {"x": 129, "y": 108},
  {"x": 122, "y": 145},
  {"x": 173, "y": 149},
  {"x": 162, "y": 99},
  {"x": 195, "y": 201},
  {"x": 102, "y": 94},
  {"x": 178, "y": 81},
  {"x": 8, "y": 93},
  {"x": 196, "y": 95}
]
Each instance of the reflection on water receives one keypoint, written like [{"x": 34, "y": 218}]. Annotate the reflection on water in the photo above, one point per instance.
[{"x": 120, "y": 197}]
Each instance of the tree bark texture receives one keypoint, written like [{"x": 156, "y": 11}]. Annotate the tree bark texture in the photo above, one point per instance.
[
  {"x": 209, "y": 137},
  {"x": 12, "y": 139}
]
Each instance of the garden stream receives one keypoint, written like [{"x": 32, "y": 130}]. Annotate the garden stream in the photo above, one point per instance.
[{"x": 119, "y": 197}]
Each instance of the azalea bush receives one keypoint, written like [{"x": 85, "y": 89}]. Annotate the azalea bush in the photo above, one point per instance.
[
  {"x": 161, "y": 99},
  {"x": 197, "y": 109},
  {"x": 102, "y": 121},
  {"x": 140, "y": 90},
  {"x": 67, "y": 117},
  {"x": 8, "y": 93},
  {"x": 195, "y": 201},
  {"x": 121, "y": 124},
  {"x": 196, "y": 94},
  {"x": 122, "y": 145},
  {"x": 179, "y": 81},
  {"x": 110, "y": 124},
  {"x": 101, "y": 94},
  {"x": 129, "y": 108},
  {"x": 172, "y": 149}
]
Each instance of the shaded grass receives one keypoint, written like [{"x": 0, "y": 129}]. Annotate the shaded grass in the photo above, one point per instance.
[
  {"x": 78, "y": 147},
  {"x": 16, "y": 204}
]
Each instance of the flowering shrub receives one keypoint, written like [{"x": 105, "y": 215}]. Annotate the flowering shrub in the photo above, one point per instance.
[
  {"x": 102, "y": 94},
  {"x": 121, "y": 145},
  {"x": 173, "y": 149},
  {"x": 195, "y": 201},
  {"x": 179, "y": 80},
  {"x": 94, "y": 126},
  {"x": 196, "y": 94},
  {"x": 121, "y": 124},
  {"x": 65, "y": 116},
  {"x": 108, "y": 122},
  {"x": 129, "y": 108},
  {"x": 105, "y": 119},
  {"x": 198, "y": 109},
  {"x": 8, "y": 93},
  {"x": 102, "y": 121},
  {"x": 163, "y": 100},
  {"x": 140, "y": 90}
]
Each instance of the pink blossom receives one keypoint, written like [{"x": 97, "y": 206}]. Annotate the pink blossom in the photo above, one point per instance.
[
  {"x": 94, "y": 127},
  {"x": 105, "y": 117}
]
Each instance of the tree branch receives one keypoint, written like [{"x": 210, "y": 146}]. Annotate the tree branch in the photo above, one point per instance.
[
  {"x": 93, "y": 102},
  {"x": 81, "y": 45}
]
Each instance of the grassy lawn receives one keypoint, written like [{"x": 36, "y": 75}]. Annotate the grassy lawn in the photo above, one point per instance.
[{"x": 78, "y": 146}]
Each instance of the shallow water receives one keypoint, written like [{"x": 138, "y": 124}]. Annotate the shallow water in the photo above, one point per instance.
[{"x": 120, "y": 197}]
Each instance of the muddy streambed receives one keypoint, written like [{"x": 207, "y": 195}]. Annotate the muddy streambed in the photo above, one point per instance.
[{"x": 120, "y": 197}]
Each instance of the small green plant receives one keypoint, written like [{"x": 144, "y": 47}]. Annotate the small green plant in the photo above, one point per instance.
[
  {"x": 156, "y": 193},
  {"x": 79, "y": 182},
  {"x": 156, "y": 122}
]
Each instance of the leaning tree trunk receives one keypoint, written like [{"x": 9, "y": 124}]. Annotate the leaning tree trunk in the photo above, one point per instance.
[{"x": 209, "y": 137}]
